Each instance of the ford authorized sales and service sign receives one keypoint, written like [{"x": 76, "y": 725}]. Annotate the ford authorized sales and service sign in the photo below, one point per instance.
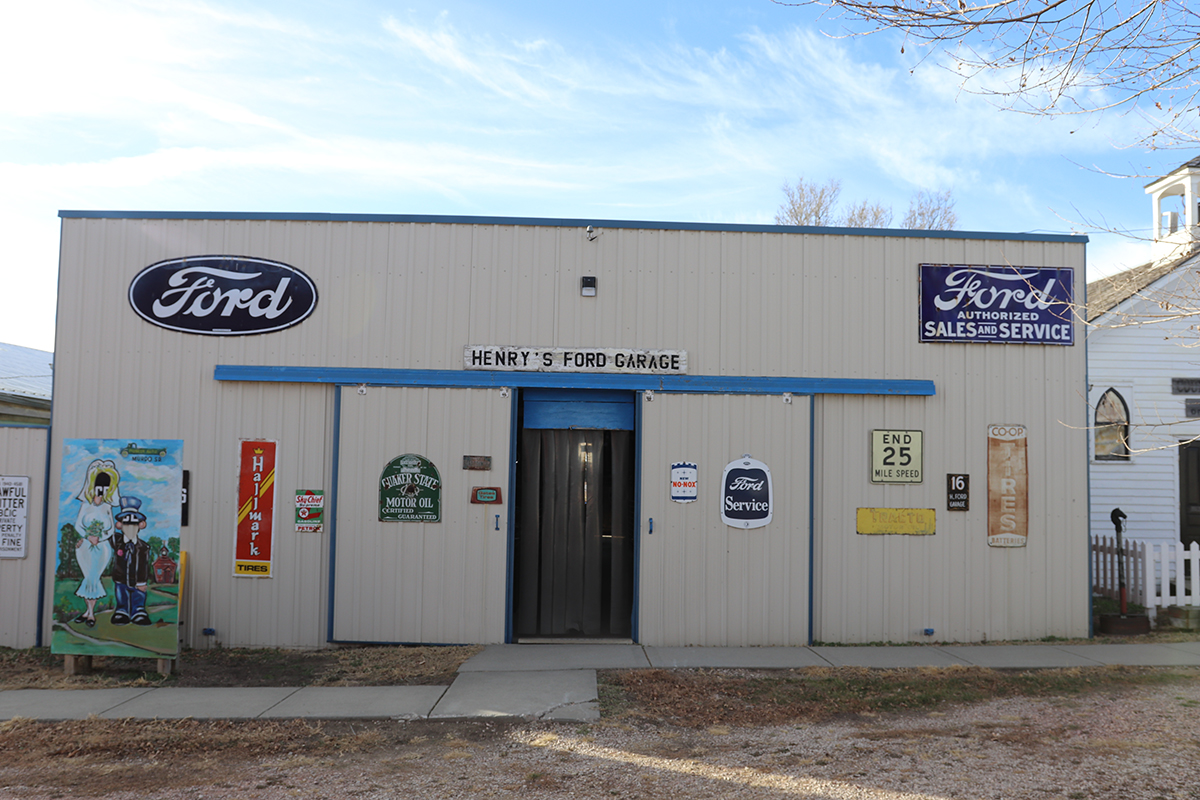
[
  {"x": 222, "y": 295},
  {"x": 997, "y": 304}
]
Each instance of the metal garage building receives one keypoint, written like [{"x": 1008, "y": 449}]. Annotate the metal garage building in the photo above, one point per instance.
[{"x": 679, "y": 434}]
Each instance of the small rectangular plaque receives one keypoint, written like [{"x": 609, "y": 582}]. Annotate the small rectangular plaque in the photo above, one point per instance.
[
  {"x": 1191, "y": 407},
  {"x": 901, "y": 521},
  {"x": 487, "y": 495},
  {"x": 1185, "y": 385},
  {"x": 958, "y": 492},
  {"x": 477, "y": 462}
]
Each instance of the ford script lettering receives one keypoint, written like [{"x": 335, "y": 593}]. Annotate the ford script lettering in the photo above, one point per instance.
[
  {"x": 222, "y": 295},
  {"x": 966, "y": 288}
]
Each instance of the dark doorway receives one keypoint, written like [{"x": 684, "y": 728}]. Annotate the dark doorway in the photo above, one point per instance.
[
  {"x": 1189, "y": 492},
  {"x": 575, "y": 502}
]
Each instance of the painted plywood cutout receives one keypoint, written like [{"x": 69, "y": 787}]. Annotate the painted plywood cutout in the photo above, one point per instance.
[
  {"x": 1008, "y": 486},
  {"x": 256, "y": 510},
  {"x": 115, "y": 586}
]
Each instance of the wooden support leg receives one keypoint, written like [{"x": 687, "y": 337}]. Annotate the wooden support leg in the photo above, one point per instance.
[
  {"x": 77, "y": 665},
  {"x": 166, "y": 666}
]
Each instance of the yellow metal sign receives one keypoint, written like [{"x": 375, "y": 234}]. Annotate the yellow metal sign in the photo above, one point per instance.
[
  {"x": 905, "y": 521},
  {"x": 896, "y": 456}
]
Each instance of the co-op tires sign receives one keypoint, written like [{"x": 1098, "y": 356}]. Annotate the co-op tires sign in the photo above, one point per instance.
[{"x": 222, "y": 295}]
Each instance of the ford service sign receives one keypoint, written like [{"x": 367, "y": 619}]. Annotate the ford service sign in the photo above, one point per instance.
[
  {"x": 997, "y": 304},
  {"x": 747, "y": 497},
  {"x": 222, "y": 295}
]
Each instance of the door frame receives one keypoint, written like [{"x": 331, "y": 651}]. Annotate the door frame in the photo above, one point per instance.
[{"x": 516, "y": 399}]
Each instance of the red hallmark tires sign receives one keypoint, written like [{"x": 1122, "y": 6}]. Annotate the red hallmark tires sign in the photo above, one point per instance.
[{"x": 256, "y": 510}]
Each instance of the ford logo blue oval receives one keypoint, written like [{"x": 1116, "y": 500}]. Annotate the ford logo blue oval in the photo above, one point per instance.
[{"x": 222, "y": 295}]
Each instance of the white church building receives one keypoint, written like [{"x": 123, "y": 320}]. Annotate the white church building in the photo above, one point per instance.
[{"x": 1144, "y": 377}]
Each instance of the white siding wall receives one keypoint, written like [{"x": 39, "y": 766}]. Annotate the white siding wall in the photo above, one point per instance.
[
  {"x": 1139, "y": 360},
  {"x": 411, "y": 295},
  {"x": 23, "y": 454}
]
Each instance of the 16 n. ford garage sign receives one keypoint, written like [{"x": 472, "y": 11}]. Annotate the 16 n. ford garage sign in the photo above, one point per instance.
[
  {"x": 997, "y": 304},
  {"x": 222, "y": 295}
]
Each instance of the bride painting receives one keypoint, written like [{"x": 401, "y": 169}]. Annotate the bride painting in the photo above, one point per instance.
[{"x": 95, "y": 525}]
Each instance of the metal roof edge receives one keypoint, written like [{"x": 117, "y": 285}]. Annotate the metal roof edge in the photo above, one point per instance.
[{"x": 571, "y": 223}]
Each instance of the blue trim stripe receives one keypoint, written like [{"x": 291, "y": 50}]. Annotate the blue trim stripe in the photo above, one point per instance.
[
  {"x": 514, "y": 433},
  {"x": 470, "y": 379},
  {"x": 435, "y": 219},
  {"x": 635, "y": 632},
  {"x": 333, "y": 508}
]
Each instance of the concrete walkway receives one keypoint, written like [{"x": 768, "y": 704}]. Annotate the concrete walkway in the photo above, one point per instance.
[{"x": 549, "y": 681}]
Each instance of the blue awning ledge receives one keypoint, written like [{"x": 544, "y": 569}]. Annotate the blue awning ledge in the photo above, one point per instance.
[{"x": 468, "y": 379}]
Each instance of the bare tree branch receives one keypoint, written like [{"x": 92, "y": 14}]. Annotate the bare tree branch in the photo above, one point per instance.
[
  {"x": 807, "y": 203},
  {"x": 1061, "y": 56}
]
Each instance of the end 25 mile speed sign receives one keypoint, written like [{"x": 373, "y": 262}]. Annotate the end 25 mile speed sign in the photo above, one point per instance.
[{"x": 896, "y": 456}]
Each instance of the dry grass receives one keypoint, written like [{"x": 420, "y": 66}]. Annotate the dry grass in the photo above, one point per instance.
[
  {"x": 37, "y": 668},
  {"x": 704, "y": 698}
]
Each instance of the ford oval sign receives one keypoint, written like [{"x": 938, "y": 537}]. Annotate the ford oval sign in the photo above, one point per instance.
[{"x": 222, "y": 295}]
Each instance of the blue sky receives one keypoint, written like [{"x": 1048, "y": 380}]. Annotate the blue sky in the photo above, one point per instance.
[{"x": 670, "y": 111}]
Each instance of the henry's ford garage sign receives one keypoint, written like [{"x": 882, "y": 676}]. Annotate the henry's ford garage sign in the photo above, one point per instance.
[
  {"x": 222, "y": 295},
  {"x": 574, "y": 359},
  {"x": 997, "y": 304},
  {"x": 746, "y": 494}
]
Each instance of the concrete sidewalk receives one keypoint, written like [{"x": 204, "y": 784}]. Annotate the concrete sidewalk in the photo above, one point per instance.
[{"x": 549, "y": 681}]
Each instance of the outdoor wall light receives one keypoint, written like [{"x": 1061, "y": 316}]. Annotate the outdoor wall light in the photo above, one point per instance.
[{"x": 587, "y": 286}]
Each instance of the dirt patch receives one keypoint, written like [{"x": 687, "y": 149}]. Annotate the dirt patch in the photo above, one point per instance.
[
  {"x": 79, "y": 757},
  {"x": 37, "y": 668},
  {"x": 744, "y": 698}
]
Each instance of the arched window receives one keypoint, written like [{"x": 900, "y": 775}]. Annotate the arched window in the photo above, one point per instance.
[{"x": 1112, "y": 427}]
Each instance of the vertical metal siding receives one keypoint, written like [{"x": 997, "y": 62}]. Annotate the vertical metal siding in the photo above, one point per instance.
[
  {"x": 411, "y": 295},
  {"x": 872, "y": 588},
  {"x": 422, "y": 581},
  {"x": 703, "y": 582},
  {"x": 23, "y": 454}
]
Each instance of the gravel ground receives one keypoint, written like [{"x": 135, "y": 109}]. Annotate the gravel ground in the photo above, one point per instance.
[{"x": 1138, "y": 743}]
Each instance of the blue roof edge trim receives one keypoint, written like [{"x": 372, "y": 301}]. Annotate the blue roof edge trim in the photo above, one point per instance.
[
  {"x": 484, "y": 379},
  {"x": 552, "y": 222}
]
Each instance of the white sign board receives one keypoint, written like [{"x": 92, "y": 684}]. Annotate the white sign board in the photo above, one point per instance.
[
  {"x": 683, "y": 482},
  {"x": 14, "y": 516},
  {"x": 896, "y": 457},
  {"x": 505, "y": 358}
]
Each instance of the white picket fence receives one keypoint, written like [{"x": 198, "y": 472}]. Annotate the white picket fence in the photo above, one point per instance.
[{"x": 1154, "y": 572}]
